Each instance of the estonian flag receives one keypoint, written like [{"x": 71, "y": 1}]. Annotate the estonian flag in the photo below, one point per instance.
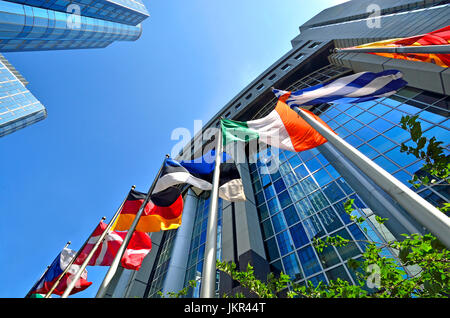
[{"x": 199, "y": 173}]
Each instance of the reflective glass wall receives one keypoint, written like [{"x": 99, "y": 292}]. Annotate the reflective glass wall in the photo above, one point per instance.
[
  {"x": 28, "y": 28},
  {"x": 18, "y": 107},
  {"x": 197, "y": 249},
  {"x": 304, "y": 198}
]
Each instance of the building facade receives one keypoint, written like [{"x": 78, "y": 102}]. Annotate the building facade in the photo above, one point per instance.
[
  {"x": 29, "y": 25},
  {"x": 303, "y": 198}
]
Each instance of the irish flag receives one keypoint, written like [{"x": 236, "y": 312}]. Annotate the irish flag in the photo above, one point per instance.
[{"x": 283, "y": 128}]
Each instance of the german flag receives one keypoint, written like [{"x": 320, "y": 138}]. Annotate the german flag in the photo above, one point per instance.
[
  {"x": 438, "y": 37},
  {"x": 162, "y": 212}
]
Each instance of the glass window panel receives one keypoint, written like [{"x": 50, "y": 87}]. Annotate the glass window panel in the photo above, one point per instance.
[
  {"x": 441, "y": 134},
  {"x": 294, "y": 161},
  {"x": 366, "y": 105},
  {"x": 333, "y": 192},
  {"x": 381, "y": 124},
  {"x": 381, "y": 144},
  {"x": 290, "y": 179},
  {"x": 334, "y": 174},
  {"x": 318, "y": 200},
  {"x": 267, "y": 229},
  {"x": 263, "y": 211},
  {"x": 309, "y": 261},
  {"x": 398, "y": 134},
  {"x": 366, "y": 117},
  {"x": 296, "y": 192},
  {"x": 285, "y": 243},
  {"x": 285, "y": 168},
  {"x": 411, "y": 107},
  {"x": 269, "y": 192},
  {"x": 338, "y": 272},
  {"x": 342, "y": 118},
  {"x": 394, "y": 116},
  {"x": 313, "y": 165},
  {"x": 322, "y": 177},
  {"x": 275, "y": 173},
  {"x": 347, "y": 189},
  {"x": 290, "y": 214},
  {"x": 434, "y": 114},
  {"x": 276, "y": 268},
  {"x": 308, "y": 185},
  {"x": 301, "y": 172},
  {"x": 308, "y": 154},
  {"x": 265, "y": 179},
  {"x": 380, "y": 109},
  {"x": 313, "y": 227},
  {"x": 322, "y": 159},
  {"x": 403, "y": 177},
  {"x": 279, "y": 186},
  {"x": 328, "y": 257},
  {"x": 273, "y": 205},
  {"x": 400, "y": 158},
  {"x": 330, "y": 220},
  {"x": 304, "y": 208},
  {"x": 368, "y": 151},
  {"x": 292, "y": 267},
  {"x": 353, "y": 125},
  {"x": 351, "y": 249},
  {"x": 353, "y": 111},
  {"x": 299, "y": 235},
  {"x": 393, "y": 101},
  {"x": 279, "y": 224},
  {"x": 260, "y": 198},
  {"x": 386, "y": 164},
  {"x": 317, "y": 279},
  {"x": 366, "y": 133},
  {"x": 271, "y": 249},
  {"x": 339, "y": 207},
  {"x": 353, "y": 140},
  {"x": 284, "y": 199},
  {"x": 358, "y": 235}
]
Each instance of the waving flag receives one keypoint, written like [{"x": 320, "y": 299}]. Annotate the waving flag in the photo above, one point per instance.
[
  {"x": 355, "y": 88},
  {"x": 199, "y": 173},
  {"x": 438, "y": 37},
  {"x": 162, "y": 212},
  {"x": 138, "y": 248},
  {"x": 63, "y": 259},
  {"x": 283, "y": 128}
]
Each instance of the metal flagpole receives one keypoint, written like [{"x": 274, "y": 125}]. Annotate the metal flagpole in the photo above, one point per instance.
[
  {"x": 67, "y": 268},
  {"x": 420, "y": 209},
  {"x": 48, "y": 266},
  {"x": 118, "y": 258},
  {"x": 94, "y": 249},
  {"x": 208, "y": 285},
  {"x": 423, "y": 49}
]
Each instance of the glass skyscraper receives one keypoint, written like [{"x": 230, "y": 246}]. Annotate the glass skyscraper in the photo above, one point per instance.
[
  {"x": 303, "y": 198},
  {"x": 36, "y": 25}
]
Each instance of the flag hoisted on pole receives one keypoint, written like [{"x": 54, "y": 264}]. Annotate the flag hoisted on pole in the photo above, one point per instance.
[
  {"x": 94, "y": 249},
  {"x": 115, "y": 264},
  {"x": 424, "y": 212},
  {"x": 208, "y": 285},
  {"x": 42, "y": 276}
]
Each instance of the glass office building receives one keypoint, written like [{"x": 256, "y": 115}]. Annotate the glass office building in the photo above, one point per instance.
[
  {"x": 18, "y": 107},
  {"x": 303, "y": 198},
  {"x": 36, "y": 25}
]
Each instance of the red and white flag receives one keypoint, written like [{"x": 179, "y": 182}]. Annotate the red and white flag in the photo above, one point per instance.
[{"x": 139, "y": 246}]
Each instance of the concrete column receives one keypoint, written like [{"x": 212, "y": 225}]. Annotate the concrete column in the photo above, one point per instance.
[
  {"x": 176, "y": 271},
  {"x": 378, "y": 201}
]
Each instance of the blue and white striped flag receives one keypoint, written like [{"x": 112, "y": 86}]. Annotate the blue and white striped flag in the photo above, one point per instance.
[{"x": 356, "y": 88}]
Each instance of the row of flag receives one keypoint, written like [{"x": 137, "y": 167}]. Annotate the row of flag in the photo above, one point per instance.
[{"x": 282, "y": 128}]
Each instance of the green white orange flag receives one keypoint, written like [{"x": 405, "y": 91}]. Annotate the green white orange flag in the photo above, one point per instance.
[{"x": 283, "y": 128}]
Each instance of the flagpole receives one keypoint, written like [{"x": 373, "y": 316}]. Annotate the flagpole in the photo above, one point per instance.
[
  {"x": 100, "y": 240},
  {"x": 48, "y": 266},
  {"x": 208, "y": 285},
  {"x": 422, "y": 49},
  {"x": 49, "y": 293},
  {"x": 118, "y": 258},
  {"x": 424, "y": 212}
]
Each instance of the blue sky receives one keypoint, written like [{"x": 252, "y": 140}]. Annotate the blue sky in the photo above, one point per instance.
[{"x": 111, "y": 113}]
